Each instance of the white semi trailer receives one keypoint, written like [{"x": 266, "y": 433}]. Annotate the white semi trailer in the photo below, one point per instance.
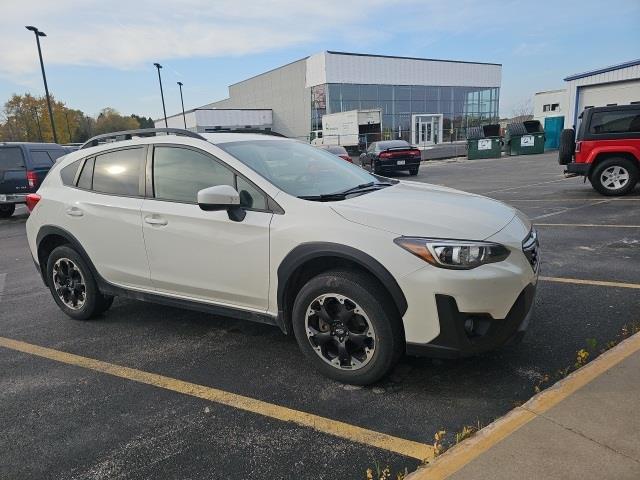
[{"x": 353, "y": 129}]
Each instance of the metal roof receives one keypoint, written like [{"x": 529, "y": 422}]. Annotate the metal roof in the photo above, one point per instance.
[
  {"x": 611, "y": 68},
  {"x": 409, "y": 58}
]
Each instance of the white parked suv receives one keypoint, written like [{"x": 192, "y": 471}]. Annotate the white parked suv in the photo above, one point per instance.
[{"x": 361, "y": 268}]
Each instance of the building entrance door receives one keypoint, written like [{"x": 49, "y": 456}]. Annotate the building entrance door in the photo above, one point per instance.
[{"x": 426, "y": 129}]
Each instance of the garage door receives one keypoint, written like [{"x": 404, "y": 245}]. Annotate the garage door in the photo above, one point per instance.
[{"x": 622, "y": 93}]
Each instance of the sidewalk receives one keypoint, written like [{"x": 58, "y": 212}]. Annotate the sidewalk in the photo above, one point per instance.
[{"x": 587, "y": 426}]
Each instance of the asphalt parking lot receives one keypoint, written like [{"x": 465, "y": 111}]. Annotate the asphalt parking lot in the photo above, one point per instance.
[{"x": 65, "y": 417}]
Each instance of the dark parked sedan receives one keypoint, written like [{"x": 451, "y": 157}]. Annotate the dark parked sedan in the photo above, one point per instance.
[
  {"x": 337, "y": 150},
  {"x": 391, "y": 155}
]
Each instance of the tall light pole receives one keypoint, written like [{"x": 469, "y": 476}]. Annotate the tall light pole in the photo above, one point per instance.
[
  {"x": 184, "y": 119},
  {"x": 39, "y": 34},
  {"x": 158, "y": 66}
]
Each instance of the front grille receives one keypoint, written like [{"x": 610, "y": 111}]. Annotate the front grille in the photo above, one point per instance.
[{"x": 531, "y": 249}]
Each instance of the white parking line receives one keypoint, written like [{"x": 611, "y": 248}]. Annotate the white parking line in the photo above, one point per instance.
[
  {"x": 568, "y": 209},
  {"x": 3, "y": 277},
  {"x": 587, "y": 225},
  {"x": 523, "y": 186}
]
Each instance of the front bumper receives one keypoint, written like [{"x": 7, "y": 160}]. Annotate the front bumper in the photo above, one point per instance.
[
  {"x": 578, "y": 168},
  {"x": 13, "y": 198},
  {"x": 455, "y": 341}
]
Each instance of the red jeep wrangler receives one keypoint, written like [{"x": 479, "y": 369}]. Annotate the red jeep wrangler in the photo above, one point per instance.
[{"x": 606, "y": 150}]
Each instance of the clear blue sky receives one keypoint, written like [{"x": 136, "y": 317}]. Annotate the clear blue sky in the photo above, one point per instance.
[{"x": 100, "y": 53}]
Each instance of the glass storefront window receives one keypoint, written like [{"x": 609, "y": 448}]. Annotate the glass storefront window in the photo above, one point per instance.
[
  {"x": 385, "y": 92},
  {"x": 369, "y": 92},
  {"x": 402, "y": 93},
  {"x": 350, "y": 92},
  {"x": 418, "y": 93},
  {"x": 461, "y": 106}
]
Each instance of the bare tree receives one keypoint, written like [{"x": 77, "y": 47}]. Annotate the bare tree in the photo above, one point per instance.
[{"x": 522, "y": 111}]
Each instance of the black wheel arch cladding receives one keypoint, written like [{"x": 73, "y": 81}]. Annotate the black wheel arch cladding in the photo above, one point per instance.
[{"x": 316, "y": 250}]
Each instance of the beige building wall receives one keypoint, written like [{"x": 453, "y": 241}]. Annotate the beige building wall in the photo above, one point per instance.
[{"x": 282, "y": 90}]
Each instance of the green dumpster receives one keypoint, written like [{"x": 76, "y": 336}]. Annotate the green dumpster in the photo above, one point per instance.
[
  {"x": 484, "y": 142},
  {"x": 524, "y": 138}
]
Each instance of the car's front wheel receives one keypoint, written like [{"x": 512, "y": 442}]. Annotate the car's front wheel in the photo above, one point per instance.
[
  {"x": 347, "y": 327},
  {"x": 73, "y": 286},
  {"x": 7, "y": 209},
  {"x": 615, "y": 176}
]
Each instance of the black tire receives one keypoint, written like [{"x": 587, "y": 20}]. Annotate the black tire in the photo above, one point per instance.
[
  {"x": 377, "y": 306},
  {"x": 567, "y": 146},
  {"x": 94, "y": 302},
  {"x": 625, "y": 166},
  {"x": 414, "y": 171},
  {"x": 7, "y": 209},
  {"x": 375, "y": 168}
]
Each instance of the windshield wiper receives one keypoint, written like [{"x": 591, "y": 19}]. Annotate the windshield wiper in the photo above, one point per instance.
[{"x": 362, "y": 188}]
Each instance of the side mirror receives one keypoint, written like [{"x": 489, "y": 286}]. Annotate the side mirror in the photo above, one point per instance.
[{"x": 222, "y": 197}]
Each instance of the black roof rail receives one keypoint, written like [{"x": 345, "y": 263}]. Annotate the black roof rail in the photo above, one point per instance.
[{"x": 141, "y": 132}]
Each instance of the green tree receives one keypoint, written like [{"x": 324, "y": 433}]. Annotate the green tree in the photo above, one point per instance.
[
  {"x": 109, "y": 120},
  {"x": 144, "y": 122}
]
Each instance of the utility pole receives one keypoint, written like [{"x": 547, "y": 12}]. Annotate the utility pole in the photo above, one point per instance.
[
  {"x": 158, "y": 66},
  {"x": 39, "y": 34}
]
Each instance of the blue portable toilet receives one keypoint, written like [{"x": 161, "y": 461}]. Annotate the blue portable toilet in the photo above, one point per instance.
[{"x": 552, "y": 128}]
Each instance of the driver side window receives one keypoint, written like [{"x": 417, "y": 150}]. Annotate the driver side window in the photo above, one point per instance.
[{"x": 180, "y": 173}]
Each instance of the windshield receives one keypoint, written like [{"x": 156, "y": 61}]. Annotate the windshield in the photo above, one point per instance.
[{"x": 298, "y": 168}]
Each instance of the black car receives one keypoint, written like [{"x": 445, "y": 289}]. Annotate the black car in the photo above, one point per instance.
[
  {"x": 23, "y": 166},
  {"x": 391, "y": 155}
]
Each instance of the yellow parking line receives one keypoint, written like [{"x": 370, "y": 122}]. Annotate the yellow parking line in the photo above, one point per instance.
[
  {"x": 336, "y": 428},
  {"x": 598, "y": 283},
  {"x": 465, "y": 452},
  {"x": 584, "y": 225},
  {"x": 568, "y": 199}
]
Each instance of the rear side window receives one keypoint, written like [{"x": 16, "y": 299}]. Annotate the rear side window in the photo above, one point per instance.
[
  {"x": 86, "y": 177},
  {"x": 179, "y": 173},
  {"x": 41, "y": 159},
  {"x": 119, "y": 172},
  {"x": 10, "y": 158},
  {"x": 68, "y": 173},
  {"x": 626, "y": 121}
]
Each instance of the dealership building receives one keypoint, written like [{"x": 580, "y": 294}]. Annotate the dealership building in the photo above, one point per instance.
[{"x": 446, "y": 96}]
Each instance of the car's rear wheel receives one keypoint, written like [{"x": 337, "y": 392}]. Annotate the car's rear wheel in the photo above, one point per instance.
[
  {"x": 615, "y": 176},
  {"x": 73, "y": 286},
  {"x": 347, "y": 327},
  {"x": 7, "y": 209},
  {"x": 414, "y": 171}
]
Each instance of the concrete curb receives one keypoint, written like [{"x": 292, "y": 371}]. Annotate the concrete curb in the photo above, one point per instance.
[{"x": 465, "y": 452}]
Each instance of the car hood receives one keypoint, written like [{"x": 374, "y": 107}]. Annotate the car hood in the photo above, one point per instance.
[{"x": 425, "y": 210}]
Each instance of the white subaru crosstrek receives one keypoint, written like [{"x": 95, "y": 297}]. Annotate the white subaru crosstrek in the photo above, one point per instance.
[{"x": 361, "y": 268}]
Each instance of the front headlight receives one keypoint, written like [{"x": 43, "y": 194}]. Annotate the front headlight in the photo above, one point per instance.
[{"x": 455, "y": 254}]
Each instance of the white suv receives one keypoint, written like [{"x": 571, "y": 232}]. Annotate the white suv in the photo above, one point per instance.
[{"x": 361, "y": 268}]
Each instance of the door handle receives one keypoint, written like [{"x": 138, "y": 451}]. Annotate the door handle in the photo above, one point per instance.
[
  {"x": 155, "y": 221},
  {"x": 74, "y": 212}
]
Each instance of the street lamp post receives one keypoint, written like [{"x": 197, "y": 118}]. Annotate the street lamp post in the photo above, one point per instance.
[
  {"x": 184, "y": 119},
  {"x": 158, "y": 66},
  {"x": 39, "y": 34}
]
